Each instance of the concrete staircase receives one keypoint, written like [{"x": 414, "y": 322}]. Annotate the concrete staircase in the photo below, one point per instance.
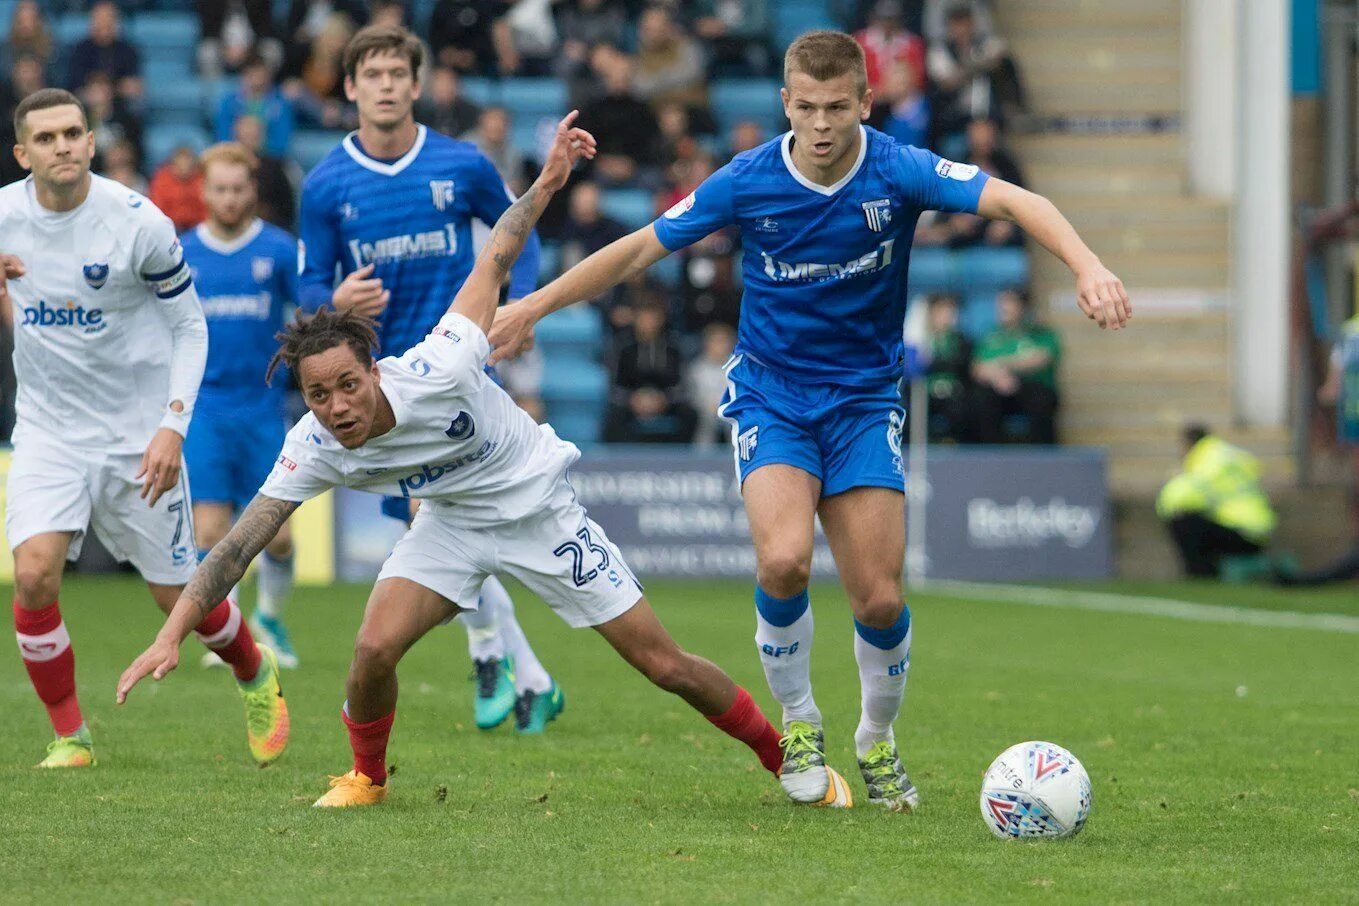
[{"x": 1126, "y": 192}]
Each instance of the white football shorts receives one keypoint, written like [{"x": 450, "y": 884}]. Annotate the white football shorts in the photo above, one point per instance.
[
  {"x": 53, "y": 487},
  {"x": 560, "y": 554}
]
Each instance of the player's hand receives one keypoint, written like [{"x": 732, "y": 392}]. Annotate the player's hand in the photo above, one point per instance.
[
  {"x": 160, "y": 465},
  {"x": 512, "y": 331},
  {"x": 1102, "y": 297},
  {"x": 569, "y": 145},
  {"x": 158, "y": 660},
  {"x": 11, "y": 268},
  {"x": 361, "y": 292}
]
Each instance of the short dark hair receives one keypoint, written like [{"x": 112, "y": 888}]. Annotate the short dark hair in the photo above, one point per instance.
[
  {"x": 310, "y": 335},
  {"x": 382, "y": 39},
  {"x": 45, "y": 98}
]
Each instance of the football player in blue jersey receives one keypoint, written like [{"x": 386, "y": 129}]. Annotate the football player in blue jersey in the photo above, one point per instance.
[
  {"x": 390, "y": 212},
  {"x": 246, "y": 271},
  {"x": 827, "y": 213}
]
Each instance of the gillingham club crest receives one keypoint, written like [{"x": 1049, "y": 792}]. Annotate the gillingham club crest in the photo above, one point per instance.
[
  {"x": 878, "y": 213},
  {"x": 261, "y": 269},
  {"x": 441, "y": 193},
  {"x": 97, "y": 274}
]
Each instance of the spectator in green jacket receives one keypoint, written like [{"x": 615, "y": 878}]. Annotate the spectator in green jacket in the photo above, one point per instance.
[
  {"x": 1215, "y": 508},
  {"x": 1015, "y": 367}
]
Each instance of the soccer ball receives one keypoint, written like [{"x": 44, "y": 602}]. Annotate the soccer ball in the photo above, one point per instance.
[{"x": 1035, "y": 789}]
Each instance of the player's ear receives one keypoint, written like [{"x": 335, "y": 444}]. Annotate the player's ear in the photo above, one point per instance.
[
  {"x": 350, "y": 94},
  {"x": 21, "y": 156},
  {"x": 783, "y": 94},
  {"x": 866, "y": 104}
]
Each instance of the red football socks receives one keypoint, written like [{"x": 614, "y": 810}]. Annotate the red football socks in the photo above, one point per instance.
[
  {"x": 744, "y": 721},
  {"x": 46, "y": 650},
  {"x": 369, "y": 742},
  {"x": 226, "y": 634}
]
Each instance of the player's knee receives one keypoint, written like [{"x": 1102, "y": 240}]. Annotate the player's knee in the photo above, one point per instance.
[
  {"x": 36, "y": 584},
  {"x": 879, "y": 611},
  {"x": 784, "y": 573},
  {"x": 375, "y": 655},
  {"x": 281, "y": 548}
]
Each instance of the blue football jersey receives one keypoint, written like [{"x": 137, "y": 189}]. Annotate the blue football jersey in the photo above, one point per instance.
[
  {"x": 246, "y": 286},
  {"x": 824, "y": 266},
  {"x": 412, "y": 218}
]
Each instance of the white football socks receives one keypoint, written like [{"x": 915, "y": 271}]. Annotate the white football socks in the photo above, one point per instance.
[
  {"x": 274, "y": 585},
  {"x": 783, "y": 636},
  {"x": 529, "y": 674},
  {"x": 882, "y": 678},
  {"x": 483, "y": 629}
]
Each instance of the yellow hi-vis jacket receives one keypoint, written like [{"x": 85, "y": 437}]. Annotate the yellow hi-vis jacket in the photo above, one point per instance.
[{"x": 1222, "y": 482}]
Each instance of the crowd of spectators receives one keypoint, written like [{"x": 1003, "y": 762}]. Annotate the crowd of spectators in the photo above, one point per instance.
[{"x": 640, "y": 72}]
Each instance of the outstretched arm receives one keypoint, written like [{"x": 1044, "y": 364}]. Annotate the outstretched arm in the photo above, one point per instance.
[
  {"x": 223, "y": 568},
  {"x": 480, "y": 293},
  {"x": 1099, "y": 293},
  {"x": 617, "y": 262}
]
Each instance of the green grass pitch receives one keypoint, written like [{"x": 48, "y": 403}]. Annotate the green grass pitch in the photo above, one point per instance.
[{"x": 1224, "y": 758}]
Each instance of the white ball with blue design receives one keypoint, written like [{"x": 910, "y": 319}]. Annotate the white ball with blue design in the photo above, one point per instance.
[{"x": 1035, "y": 789}]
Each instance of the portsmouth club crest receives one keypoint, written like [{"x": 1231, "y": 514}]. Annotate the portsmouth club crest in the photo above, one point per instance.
[
  {"x": 97, "y": 274},
  {"x": 878, "y": 213},
  {"x": 441, "y": 193},
  {"x": 261, "y": 269}
]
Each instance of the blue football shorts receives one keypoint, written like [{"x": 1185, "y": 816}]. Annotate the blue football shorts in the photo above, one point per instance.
[
  {"x": 848, "y": 437},
  {"x": 230, "y": 451}
]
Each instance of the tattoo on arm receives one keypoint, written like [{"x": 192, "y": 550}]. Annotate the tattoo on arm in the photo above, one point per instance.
[
  {"x": 227, "y": 562},
  {"x": 512, "y": 229}
]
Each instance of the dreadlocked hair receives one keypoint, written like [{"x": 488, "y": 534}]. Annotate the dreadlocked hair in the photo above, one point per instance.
[{"x": 310, "y": 335}]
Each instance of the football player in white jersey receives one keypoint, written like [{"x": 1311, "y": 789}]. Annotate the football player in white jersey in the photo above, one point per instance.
[
  {"x": 430, "y": 425},
  {"x": 109, "y": 346}
]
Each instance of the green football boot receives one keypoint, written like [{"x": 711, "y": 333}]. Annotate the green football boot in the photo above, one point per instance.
[
  {"x": 885, "y": 777},
  {"x": 534, "y": 710},
  {"x": 495, "y": 692}
]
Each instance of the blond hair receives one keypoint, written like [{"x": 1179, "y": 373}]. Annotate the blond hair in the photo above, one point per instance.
[
  {"x": 230, "y": 153},
  {"x": 826, "y": 55}
]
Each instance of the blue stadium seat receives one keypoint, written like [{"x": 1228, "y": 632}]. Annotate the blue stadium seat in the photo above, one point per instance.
[
  {"x": 583, "y": 383},
  {"x": 977, "y": 314},
  {"x": 734, "y": 100},
  {"x": 164, "y": 68},
  {"x": 526, "y": 135},
  {"x": 549, "y": 261},
  {"x": 580, "y": 428},
  {"x": 175, "y": 32},
  {"x": 161, "y": 139},
  {"x": 797, "y": 16},
  {"x": 70, "y": 28},
  {"x": 309, "y": 146},
  {"x": 182, "y": 102},
  {"x": 577, "y": 325},
  {"x": 478, "y": 90},
  {"x": 634, "y": 208},
  {"x": 6, "y": 14},
  {"x": 993, "y": 268},
  {"x": 931, "y": 270},
  {"x": 533, "y": 98},
  {"x": 669, "y": 271}
]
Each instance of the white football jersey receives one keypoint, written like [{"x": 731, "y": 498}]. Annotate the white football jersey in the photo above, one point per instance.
[
  {"x": 460, "y": 441},
  {"x": 93, "y": 334}
]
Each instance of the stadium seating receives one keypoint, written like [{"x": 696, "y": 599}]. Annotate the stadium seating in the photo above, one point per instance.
[
  {"x": 633, "y": 208},
  {"x": 797, "y": 16},
  {"x": 161, "y": 139},
  {"x": 734, "y": 100},
  {"x": 310, "y": 145},
  {"x": 574, "y": 383}
]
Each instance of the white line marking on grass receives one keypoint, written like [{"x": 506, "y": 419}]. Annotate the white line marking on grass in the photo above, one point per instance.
[{"x": 1137, "y": 604}]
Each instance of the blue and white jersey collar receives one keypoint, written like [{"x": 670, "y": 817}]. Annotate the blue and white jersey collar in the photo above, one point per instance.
[
  {"x": 787, "y": 147},
  {"x": 386, "y": 168},
  {"x": 228, "y": 246}
]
